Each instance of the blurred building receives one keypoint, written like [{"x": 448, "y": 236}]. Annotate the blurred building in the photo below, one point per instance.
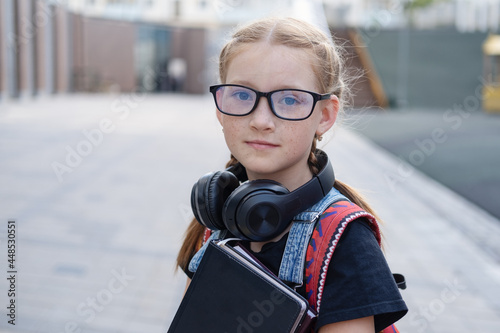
[
  {"x": 465, "y": 15},
  {"x": 60, "y": 46}
]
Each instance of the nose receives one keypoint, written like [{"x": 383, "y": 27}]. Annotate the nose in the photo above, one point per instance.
[{"x": 262, "y": 117}]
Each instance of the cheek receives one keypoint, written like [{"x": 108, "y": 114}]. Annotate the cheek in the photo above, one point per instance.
[
  {"x": 231, "y": 131},
  {"x": 300, "y": 137},
  {"x": 227, "y": 122}
]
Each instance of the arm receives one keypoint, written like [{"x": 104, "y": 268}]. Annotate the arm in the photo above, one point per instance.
[{"x": 360, "y": 325}]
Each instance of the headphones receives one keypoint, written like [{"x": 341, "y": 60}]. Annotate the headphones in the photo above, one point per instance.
[{"x": 256, "y": 210}]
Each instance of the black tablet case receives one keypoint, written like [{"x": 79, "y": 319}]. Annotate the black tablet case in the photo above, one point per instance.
[{"x": 230, "y": 293}]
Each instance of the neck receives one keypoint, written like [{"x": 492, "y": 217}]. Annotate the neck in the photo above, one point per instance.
[{"x": 290, "y": 180}]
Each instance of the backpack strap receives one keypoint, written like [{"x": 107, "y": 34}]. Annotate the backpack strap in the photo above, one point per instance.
[
  {"x": 323, "y": 242},
  {"x": 208, "y": 235},
  {"x": 294, "y": 256},
  {"x": 390, "y": 329}
]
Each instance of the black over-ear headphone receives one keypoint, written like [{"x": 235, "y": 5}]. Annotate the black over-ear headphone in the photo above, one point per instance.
[{"x": 256, "y": 210}]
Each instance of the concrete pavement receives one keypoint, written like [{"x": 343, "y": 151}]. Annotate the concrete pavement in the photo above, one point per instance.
[{"x": 99, "y": 188}]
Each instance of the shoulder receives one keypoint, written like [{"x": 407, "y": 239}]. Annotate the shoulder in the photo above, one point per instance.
[
  {"x": 335, "y": 227},
  {"x": 359, "y": 236},
  {"x": 357, "y": 249},
  {"x": 359, "y": 282},
  {"x": 358, "y": 256}
]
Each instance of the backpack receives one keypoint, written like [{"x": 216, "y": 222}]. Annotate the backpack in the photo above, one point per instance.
[
  {"x": 324, "y": 238},
  {"x": 330, "y": 226}
]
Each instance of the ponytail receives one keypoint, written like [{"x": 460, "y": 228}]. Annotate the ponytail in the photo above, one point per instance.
[
  {"x": 355, "y": 197},
  {"x": 192, "y": 242}
]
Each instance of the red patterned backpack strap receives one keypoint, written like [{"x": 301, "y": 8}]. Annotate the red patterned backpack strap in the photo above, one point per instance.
[
  {"x": 390, "y": 329},
  {"x": 206, "y": 235},
  {"x": 324, "y": 240},
  {"x": 325, "y": 237}
]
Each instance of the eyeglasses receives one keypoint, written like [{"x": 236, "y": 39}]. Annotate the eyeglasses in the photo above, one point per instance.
[{"x": 288, "y": 104}]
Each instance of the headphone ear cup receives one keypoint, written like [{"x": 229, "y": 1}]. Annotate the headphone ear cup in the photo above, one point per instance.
[
  {"x": 208, "y": 196},
  {"x": 255, "y": 211}
]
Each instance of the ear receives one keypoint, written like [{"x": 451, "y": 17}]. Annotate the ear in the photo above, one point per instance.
[{"x": 329, "y": 111}]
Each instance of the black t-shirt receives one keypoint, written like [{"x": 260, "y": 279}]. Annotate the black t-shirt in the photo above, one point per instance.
[{"x": 359, "y": 282}]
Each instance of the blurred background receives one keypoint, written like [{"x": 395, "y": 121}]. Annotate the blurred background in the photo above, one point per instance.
[
  {"x": 104, "y": 127},
  {"x": 430, "y": 59}
]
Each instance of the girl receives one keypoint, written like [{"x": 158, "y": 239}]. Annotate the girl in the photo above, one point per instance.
[{"x": 298, "y": 71}]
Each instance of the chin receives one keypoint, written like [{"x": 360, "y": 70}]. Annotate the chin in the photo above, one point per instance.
[{"x": 261, "y": 171}]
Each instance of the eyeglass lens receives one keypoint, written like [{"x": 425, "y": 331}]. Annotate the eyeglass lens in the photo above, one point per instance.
[{"x": 287, "y": 104}]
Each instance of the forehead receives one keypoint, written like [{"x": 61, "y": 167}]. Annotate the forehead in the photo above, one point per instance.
[{"x": 267, "y": 67}]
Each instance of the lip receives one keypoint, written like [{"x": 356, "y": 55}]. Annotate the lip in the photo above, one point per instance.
[{"x": 261, "y": 145}]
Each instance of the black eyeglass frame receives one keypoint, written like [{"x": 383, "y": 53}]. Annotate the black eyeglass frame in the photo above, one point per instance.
[{"x": 316, "y": 97}]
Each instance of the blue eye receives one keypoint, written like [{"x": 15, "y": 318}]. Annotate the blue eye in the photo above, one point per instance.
[
  {"x": 242, "y": 95},
  {"x": 289, "y": 101}
]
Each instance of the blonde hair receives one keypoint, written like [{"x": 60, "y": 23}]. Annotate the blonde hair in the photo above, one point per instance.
[
  {"x": 328, "y": 68},
  {"x": 327, "y": 61}
]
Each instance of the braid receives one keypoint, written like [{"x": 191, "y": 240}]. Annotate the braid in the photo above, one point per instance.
[
  {"x": 313, "y": 160},
  {"x": 232, "y": 161}
]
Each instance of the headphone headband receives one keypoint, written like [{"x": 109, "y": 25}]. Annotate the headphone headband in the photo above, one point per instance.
[{"x": 239, "y": 171}]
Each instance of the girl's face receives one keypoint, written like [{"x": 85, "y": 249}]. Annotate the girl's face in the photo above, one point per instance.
[{"x": 270, "y": 147}]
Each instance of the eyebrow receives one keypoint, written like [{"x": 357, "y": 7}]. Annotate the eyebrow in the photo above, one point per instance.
[
  {"x": 241, "y": 82},
  {"x": 248, "y": 84}
]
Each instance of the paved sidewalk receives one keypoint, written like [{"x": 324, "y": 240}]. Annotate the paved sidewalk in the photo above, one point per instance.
[
  {"x": 459, "y": 150},
  {"x": 99, "y": 188}
]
